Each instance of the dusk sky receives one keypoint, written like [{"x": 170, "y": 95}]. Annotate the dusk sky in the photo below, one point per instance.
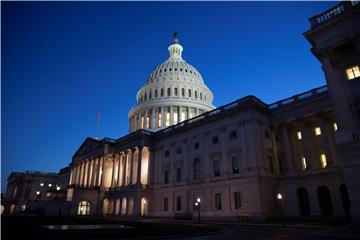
[{"x": 62, "y": 61}]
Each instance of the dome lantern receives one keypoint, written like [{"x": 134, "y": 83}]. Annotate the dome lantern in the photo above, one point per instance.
[{"x": 175, "y": 49}]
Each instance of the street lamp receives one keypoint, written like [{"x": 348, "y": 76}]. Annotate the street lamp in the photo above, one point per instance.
[
  {"x": 279, "y": 197},
  {"x": 198, "y": 206}
]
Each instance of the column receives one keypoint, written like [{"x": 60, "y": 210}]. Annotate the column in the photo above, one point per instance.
[
  {"x": 306, "y": 141},
  {"x": 124, "y": 170},
  {"x": 118, "y": 170},
  {"x": 102, "y": 175},
  {"x": 71, "y": 176},
  {"x": 132, "y": 165},
  {"x": 188, "y": 113},
  {"x": 96, "y": 172},
  {"x": 93, "y": 173},
  {"x": 171, "y": 115},
  {"x": 162, "y": 117},
  {"x": 289, "y": 162},
  {"x": 77, "y": 178},
  {"x": 81, "y": 174},
  {"x": 113, "y": 171},
  {"x": 88, "y": 173},
  {"x": 153, "y": 119},
  {"x": 145, "y": 120},
  {"x": 138, "y": 181},
  {"x": 325, "y": 141},
  {"x": 85, "y": 173}
]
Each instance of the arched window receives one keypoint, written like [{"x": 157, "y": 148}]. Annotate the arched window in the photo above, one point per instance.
[
  {"x": 145, "y": 96},
  {"x": 162, "y": 92},
  {"x": 84, "y": 208},
  {"x": 176, "y": 91},
  {"x": 303, "y": 201},
  {"x": 200, "y": 96},
  {"x": 183, "y": 92},
  {"x": 196, "y": 167},
  {"x": 195, "y": 94},
  {"x": 156, "y": 93},
  {"x": 189, "y": 93},
  {"x": 168, "y": 92},
  {"x": 150, "y": 94},
  {"x": 325, "y": 202}
]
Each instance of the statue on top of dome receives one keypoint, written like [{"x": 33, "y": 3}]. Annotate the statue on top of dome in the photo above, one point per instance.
[{"x": 175, "y": 39}]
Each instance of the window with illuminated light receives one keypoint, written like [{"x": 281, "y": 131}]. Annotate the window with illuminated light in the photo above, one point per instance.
[
  {"x": 147, "y": 122},
  {"x": 298, "y": 135},
  {"x": 317, "y": 131},
  {"x": 323, "y": 160},
  {"x": 335, "y": 127},
  {"x": 303, "y": 163},
  {"x": 353, "y": 72},
  {"x": 84, "y": 208}
]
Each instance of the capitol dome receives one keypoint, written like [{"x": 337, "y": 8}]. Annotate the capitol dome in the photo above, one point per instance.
[{"x": 174, "y": 92}]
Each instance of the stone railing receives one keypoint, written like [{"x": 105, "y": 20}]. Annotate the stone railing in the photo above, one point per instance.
[
  {"x": 298, "y": 98},
  {"x": 340, "y": 8}
]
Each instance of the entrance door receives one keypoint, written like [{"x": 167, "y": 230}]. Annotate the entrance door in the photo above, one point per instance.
[
  {"x": 345, "y": 201},
  {"x": 325, "y": 203},
  {"x": 303, "y": 202}
]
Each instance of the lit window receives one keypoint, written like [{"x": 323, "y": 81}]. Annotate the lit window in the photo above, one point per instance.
[
  {"x": 41, "y": 184},
  {"x": 303, "y": 163},
  {"x": 335, "y": 127},
  {"x": 353, "y": 72},
  {"x": 50, "y": 185},
  {"x": 142, "y": 122},
  {"x": 175, "y": 117},
  {"x": 299, "y": 136},
  {"x": 159, "y": 119},
  {"x": 167, "y": 119},
  {"x": 317, "y": 131},
  {"x": 323, "y": 160}
]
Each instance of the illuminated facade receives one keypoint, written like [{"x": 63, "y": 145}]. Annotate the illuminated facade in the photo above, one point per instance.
[{"x": 237, "y": 158}]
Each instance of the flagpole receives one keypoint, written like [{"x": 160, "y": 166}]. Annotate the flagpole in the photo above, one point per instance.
[{"x": 98, "y": 125}]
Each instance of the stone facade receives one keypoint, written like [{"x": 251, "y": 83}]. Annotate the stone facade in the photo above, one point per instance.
[{"x": 237, "y": 158}]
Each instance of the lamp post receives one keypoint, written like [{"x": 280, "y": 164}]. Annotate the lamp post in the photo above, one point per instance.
[
  {"x": 279, "y": 197},
  {"x": 198, "y": 206}
]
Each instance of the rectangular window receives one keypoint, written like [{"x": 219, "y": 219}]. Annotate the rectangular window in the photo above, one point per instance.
[
  {"x": 323, "y": 160},
  {"x": 235, "y": 164},
  {"x": 183, "y": 92},
  {"x": 335, "y": 127},
  {"x": 178, "y": 175},
  {"x": 233, "y": 135},
  {"x": 216, "y": 167},
  {"x": 167, "y": 119},
  {"x": 178, "y": 203},
  {"x": 317, "y": 131},
  {"x": 353, "y": 72},
  {"x": 167, "y": 153},
  {"x": 195, "y": 94},
  {"x": 218, "y": 201},
  {"x": 159, "y": 119},
  {"x": 178, "y": 150},
  {"x": 162, "y": 92},
  {"x": 176, "y": 91},
  {"x": 196, "y": 145},
  {"x": 166, "y": 204},
  {"x": 196, "y": 169},
  {"x": 271, "y": 164},
  {"x": 168, "y": 92},
  {"x": 166, "y": 177},
  {"x": 303, "y": 163},
  {"x": 215, "y": 140},
  {"x": 299, "y": 136},
  {"x": 189, "y": 92},
  {"x": 237, "y": 200},
  {"x": 176, "y": 117}
]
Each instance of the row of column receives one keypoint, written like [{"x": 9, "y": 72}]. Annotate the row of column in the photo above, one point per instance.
[
  {"x": 162, "y": 117},
  {"x": 114, "y": 170}
]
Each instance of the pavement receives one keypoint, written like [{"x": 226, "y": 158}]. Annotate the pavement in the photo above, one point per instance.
[{"x": 260, "y": 231}]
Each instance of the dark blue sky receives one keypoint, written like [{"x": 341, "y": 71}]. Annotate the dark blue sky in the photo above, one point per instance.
[{"x": 61, "y": 61}]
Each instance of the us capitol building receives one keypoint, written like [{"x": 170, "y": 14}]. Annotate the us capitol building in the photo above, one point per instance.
[{"x": 246, "y": 160}]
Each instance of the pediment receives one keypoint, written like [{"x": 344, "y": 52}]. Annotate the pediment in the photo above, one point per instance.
[{"x": 88, "y": 146}]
